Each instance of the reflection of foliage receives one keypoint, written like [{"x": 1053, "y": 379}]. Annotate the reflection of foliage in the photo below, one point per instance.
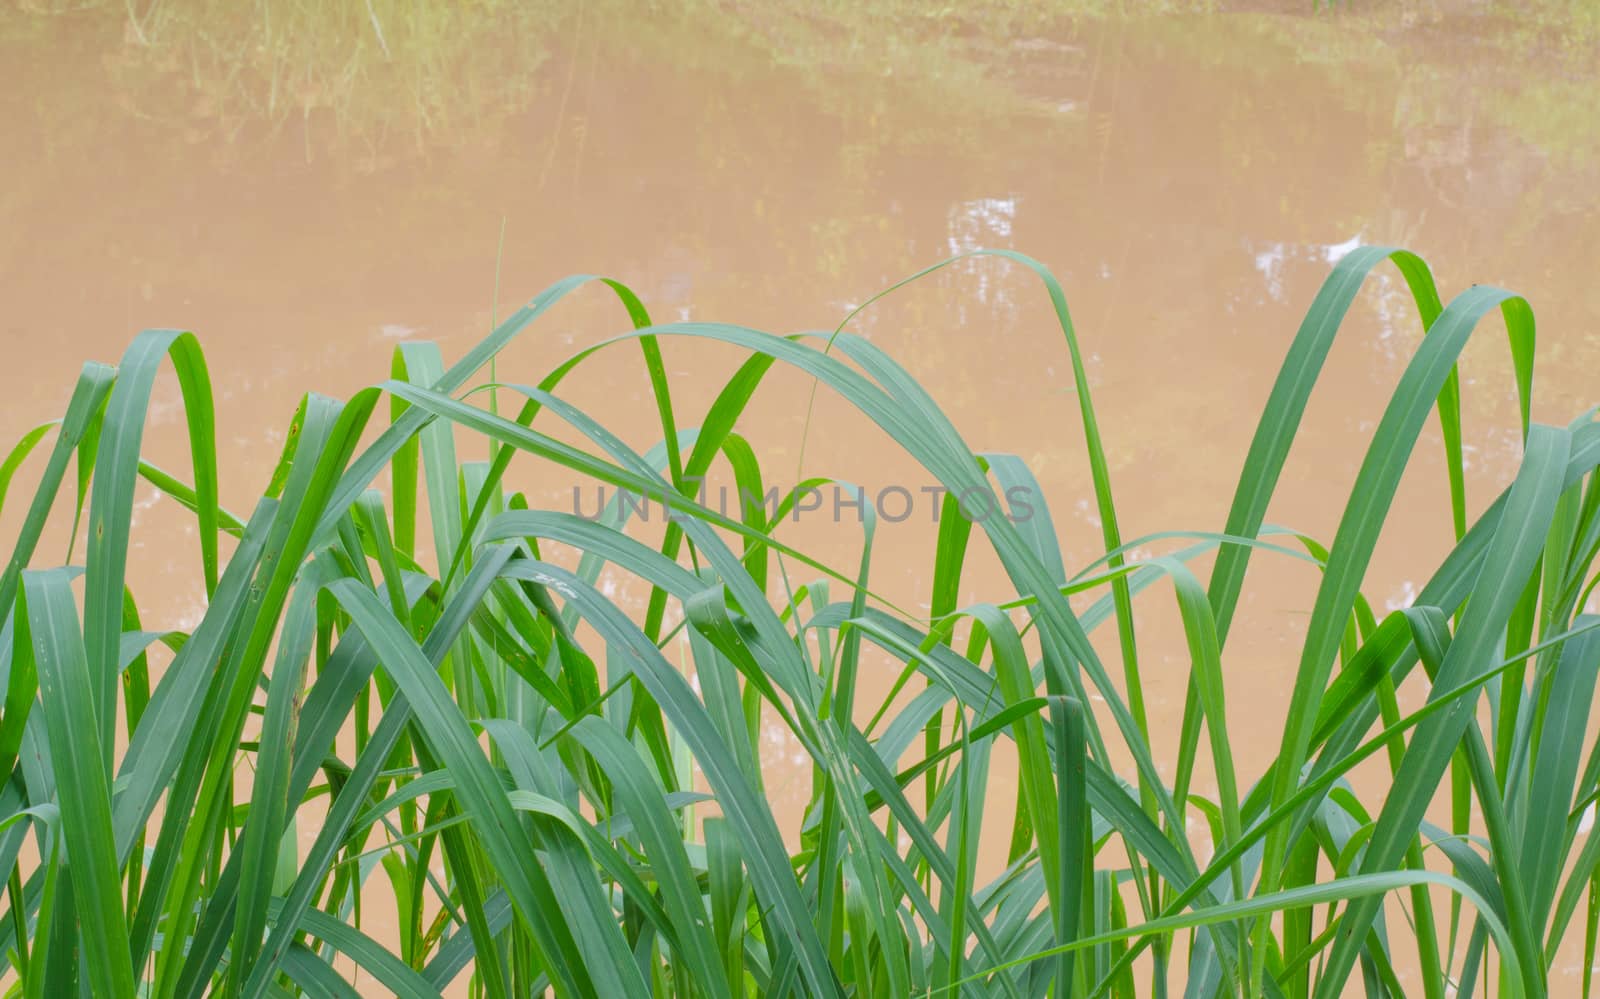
[
  {"x": 1570, "y": 27},
  {"x": 1554, "y": 106},
  {"x": 1529, "y": 68},
  {"x": 380, "y": 66},
  {"x": 376, "y": 70},
  {"x": 975, "y": 56}
]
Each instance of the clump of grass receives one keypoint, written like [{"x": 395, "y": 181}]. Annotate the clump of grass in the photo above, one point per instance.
[{"x": 514, "y": 764}]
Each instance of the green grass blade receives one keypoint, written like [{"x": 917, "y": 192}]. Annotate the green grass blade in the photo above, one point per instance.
[{"x": 52, "y": 638}]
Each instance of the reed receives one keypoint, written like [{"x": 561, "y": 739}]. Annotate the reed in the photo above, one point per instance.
[{"x": 548, "y": 803}]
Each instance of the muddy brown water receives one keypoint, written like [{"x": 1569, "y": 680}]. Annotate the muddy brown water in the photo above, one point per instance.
[{"x": 1190, "y": 181}]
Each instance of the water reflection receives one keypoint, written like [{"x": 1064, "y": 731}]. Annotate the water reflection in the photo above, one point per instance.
[{"x": 1271, "y": 256}]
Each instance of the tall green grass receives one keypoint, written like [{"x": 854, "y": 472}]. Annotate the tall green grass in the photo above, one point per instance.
[{"x": 549, "y": 803}]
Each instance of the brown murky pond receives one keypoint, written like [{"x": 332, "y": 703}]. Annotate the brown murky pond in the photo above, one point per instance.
[{"x": 1189, "y": 179}]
